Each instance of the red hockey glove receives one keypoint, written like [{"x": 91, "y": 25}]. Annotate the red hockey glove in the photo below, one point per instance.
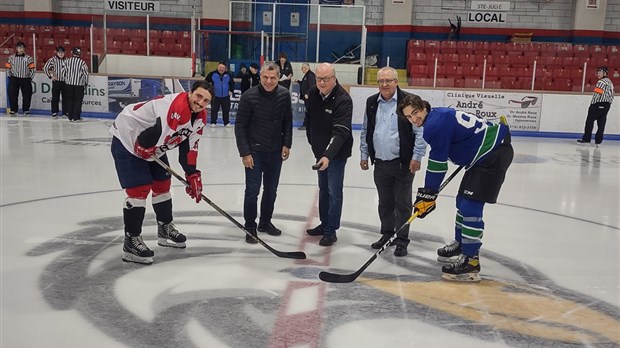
[
  {"x": 144, "y": 152},
  {"x": 424, "y": 202},
  {"x": 194, "y": 189}
]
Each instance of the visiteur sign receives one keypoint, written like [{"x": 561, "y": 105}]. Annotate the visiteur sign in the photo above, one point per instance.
[{"x": 132, "y": 6}]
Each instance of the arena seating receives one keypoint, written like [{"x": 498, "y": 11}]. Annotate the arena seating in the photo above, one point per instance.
[
  {"x": 509, "y": 65},
  {"x": 119, "y": 41}
]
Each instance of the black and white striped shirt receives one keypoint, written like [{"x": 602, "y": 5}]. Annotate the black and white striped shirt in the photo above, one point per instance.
[
  {"x": 20, "y": 66},
  {"x": 603, "y": 92},
  {"x": 75, "y": 72},
  {"x": 54, "y": 66}
]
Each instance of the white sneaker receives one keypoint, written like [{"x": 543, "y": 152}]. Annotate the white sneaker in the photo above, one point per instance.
[
  {"x": 229, "y": 125},
  {"x": 212, "y": 125}
]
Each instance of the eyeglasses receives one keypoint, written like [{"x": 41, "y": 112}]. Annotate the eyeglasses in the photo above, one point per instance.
[
  {"x": 385, "y": 81},
  {"x": 324, "y": 79}
]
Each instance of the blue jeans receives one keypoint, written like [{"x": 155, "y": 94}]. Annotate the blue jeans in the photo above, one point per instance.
[
  {"x": 331, "y": 182},
  {"x": 267, "y": 167}
]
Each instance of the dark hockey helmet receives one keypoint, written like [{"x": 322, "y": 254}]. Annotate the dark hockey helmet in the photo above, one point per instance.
[
  {"x": 76, "y": 51},
  {"x": 603, "y": 69},
  {"x": 20, "y": 44},
  {"x": 60, "y": 49}
]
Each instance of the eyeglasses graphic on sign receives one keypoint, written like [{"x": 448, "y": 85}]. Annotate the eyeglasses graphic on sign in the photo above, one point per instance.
[{"x": 525, "y": 101}]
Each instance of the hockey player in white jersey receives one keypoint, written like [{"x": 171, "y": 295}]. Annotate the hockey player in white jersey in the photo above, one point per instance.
[{"x": 148, "y": 129}]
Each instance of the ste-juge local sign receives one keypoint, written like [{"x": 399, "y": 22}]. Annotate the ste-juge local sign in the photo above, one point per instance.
[{"x": 488, "y": 11}]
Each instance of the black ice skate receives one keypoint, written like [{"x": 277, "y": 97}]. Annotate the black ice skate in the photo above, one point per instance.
[
  {"x": 464, "y": 269},
  {"x": 136, "y": 251},
  {"x": 169, "y": 236},
  {"x": 449, "y": 252}
]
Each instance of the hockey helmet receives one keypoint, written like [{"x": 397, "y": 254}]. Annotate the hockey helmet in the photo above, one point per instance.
[
  {"x": 76, "y": 51},
  {"x": 60, "y": 49}
]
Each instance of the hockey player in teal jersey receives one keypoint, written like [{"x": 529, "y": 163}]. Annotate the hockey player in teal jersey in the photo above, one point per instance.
[{"x": 484, "y": 149}]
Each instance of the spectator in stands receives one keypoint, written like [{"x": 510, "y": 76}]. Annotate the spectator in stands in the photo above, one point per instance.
[
  {"x": 224, "y": 85},
  {"x": 53, "y": 69},
  {"x": 244, "y": 75},
  {"x": 329, "y": 110},
  {"x": 75, "y": 75},
  {"x": 254, "y": 77},
  {"x": 305, "y": 83},
  {"x": 395, "y": 147},
  {"x": 20, "y": 71},
  {"x": 264, "y": 135},
  {"x": 599, "y": 107},
  {"x": 286, "y": 70}
]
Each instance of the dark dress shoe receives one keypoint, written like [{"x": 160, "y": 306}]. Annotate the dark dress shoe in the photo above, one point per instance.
[
  {"x": 249, "y": 239},
  {"x": 269, "y": 228},
  {"x": 328, "y": 239},
  {"x": 317, "y": 231},
  {"x": 400, "y": 251},
  {"x": 378, "y": 244}
]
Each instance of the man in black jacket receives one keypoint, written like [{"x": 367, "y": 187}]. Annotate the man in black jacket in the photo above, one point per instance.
[
  {"x": 305, "y": 83},
  {"x": 329, "y": 111},
  {"x": 264, "y": 133},
  {"x": 395, "y": 147}
]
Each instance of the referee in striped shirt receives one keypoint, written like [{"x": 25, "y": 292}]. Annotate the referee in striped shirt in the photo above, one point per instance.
[
  {"x": 599, "y": 107},
  {"x": 75, "y": 75},
  {"x": 20, "y": 70},
  {"x": 52, "y": 69}
]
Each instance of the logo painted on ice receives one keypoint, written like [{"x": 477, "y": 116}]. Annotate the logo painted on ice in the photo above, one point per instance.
[{"x": 208, "y": 294}]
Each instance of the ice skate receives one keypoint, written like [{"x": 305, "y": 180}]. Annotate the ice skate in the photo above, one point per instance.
[
  {"x": 464, "y": 269},
  {"x": 169, "y": 236},
  {"x": 136, "y": 251},
  {"x": 449, "y": 252}
]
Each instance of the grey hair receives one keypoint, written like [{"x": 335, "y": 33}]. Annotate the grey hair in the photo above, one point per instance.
[
  {"x": 306, "y": 65},
  {"x": 270, "y": 66},
  {"x": 388, "y": 69}
]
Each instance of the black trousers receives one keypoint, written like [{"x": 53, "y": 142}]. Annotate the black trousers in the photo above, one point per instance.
[
  {"x": 57, "y": 91},
  {"x": 596, "y": 112},
  {"x": 216, "y": 103},
  {"x": 75, "y": 96},
  {"x": 15, "y": 85},
  {"x": 393, "y": 181}
]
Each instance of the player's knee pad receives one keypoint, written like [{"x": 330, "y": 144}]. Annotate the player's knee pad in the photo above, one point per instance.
[
  {"x": 136, "y": 196},
  {"x": 161, "y": 191}
]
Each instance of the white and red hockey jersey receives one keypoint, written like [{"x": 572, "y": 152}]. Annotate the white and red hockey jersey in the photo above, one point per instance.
[{"x": 171, "y": 118}]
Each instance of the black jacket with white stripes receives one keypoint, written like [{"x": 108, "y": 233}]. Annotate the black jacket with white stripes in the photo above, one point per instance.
[
  {"x": 20, "y": 66},
  {"x": 54, "y": 66},
  {"x": 75, "y": 72}
]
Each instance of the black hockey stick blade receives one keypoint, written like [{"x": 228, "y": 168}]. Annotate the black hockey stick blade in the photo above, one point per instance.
[
  {"x": 300, "y": 255},
  {"x": 348, "y": 278}
]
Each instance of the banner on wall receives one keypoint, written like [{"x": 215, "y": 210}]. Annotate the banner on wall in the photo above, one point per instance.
[
  {"x": 95, "y": 94},
  {"x": 360, "y": 94},
  {"x": 3, "y": 96},
  {"x": 522, "y": 110},
  {"x": 124, "y": 91}
]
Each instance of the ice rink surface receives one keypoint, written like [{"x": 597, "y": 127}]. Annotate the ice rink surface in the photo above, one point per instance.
[{"x": 550, "y": 259}]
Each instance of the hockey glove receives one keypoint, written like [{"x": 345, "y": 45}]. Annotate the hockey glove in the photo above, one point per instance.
[
  {"x": 424, "y": 202},
  {"x": 194, "y": 189},
  {"x": 144, "y": 152}
]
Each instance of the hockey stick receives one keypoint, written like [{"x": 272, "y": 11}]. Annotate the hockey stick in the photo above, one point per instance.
[
  {"x": 285, "y": 254},
  {"x": 348, "y": 278}
]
